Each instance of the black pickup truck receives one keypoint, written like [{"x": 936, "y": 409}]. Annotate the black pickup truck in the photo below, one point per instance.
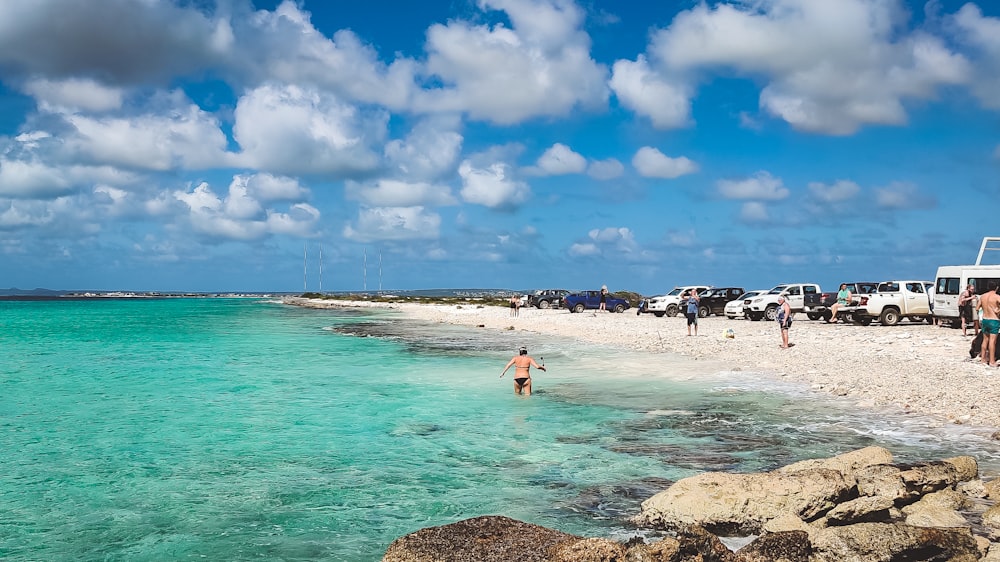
[
  {"x": 819, "y": 305},
  {"x": 713, "y": 301}
]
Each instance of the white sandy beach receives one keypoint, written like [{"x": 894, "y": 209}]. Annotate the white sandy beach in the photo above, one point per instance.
[{"x": 919, "y": 368}]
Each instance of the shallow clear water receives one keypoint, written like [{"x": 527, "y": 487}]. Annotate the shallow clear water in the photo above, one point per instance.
[{"x": 233, "y": 429}]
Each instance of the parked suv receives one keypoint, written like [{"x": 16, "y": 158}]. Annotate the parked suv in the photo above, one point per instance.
[
  {"x": 547, "y": 298},
  {"x": 670, "y": 303},
  {"x": 591, "y": 300},
  {"x": 766, "y": 306},
  {"x": 713, "y": 301}
]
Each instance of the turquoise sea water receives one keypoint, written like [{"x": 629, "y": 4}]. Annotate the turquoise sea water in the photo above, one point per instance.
[{"x": 238, "y": 429}]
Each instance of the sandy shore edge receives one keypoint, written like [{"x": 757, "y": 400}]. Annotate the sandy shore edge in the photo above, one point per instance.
[{"x": 911, "y": 367}]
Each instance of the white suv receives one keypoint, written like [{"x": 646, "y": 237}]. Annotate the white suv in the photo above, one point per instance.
[{"x": 669, "y": 303}]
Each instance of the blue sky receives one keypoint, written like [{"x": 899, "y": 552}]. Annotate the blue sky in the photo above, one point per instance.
[{"x": 193, "y": 145}]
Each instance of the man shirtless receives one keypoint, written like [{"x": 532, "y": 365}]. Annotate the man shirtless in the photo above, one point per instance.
[
  {"x": 522, "y": 371},
  {"x": 990, "y": 303}
]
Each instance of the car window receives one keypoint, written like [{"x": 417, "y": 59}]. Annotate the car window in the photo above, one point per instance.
[
  {"x": 675, "y": 292},
  {"x": 982, "y": 283},
  {"x": 915, "y": 287},
  {"x": 777, "y": 290},
  {"x": 794, "y": 290},
  {"x": 949, "y": 286},
  {"x": 888, "y": 287}
]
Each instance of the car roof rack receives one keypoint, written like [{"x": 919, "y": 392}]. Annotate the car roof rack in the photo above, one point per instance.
[{"x": 985, "y": 248}]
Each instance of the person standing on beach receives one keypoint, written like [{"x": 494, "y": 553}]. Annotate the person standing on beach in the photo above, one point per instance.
[
  {"x": 604, "y": 298},
  {"x": 522, "y": 371},
  {"x": 692, "y": 311},
  {"x": 515, "y": 304},
  {"x": 784, "y": 318},
  {"x": 990, "y": 303},
  {"x": 965, "y": 307}
]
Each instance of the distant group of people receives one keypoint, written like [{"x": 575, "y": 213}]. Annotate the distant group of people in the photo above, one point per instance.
[
  {"x": 982, "y": 312},
  {"x": 515, "y": 305},
  {"x": 783, "y": 315}
]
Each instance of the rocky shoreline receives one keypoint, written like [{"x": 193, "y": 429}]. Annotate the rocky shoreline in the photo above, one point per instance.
[{"x": 855, "y": 507}]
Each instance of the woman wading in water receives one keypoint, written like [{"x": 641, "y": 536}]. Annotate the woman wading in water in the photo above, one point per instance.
[{"x": 522, "y": 371}]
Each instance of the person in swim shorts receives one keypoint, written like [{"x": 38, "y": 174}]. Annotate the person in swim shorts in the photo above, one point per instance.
[
  {"x": 522, "y": 371},
  {"x": 989, "y": 302}
]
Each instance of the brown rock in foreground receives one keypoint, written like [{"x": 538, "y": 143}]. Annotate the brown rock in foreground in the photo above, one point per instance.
[
  {"x": 480, "y": 539},
  {"x": 805, "y": 512}
]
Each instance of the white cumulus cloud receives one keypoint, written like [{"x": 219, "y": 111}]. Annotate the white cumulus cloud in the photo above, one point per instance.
[
  {"x": 838, "y": 192},
  {"x": 827, "y": 67},
  {"x": 394, "y": 223},
  {"x": 652, "y": 163},
  {"x": 492, "y": 186},
  {"x": 761, "y": 185},
  {"x": 293, "y": 130},
  {"x": 666, "y": 102},
  {"x": 399, "y": 193},
  {"x": 74, "y": 94},
  {"x": 558, "y": 160},
  {"x": 540, "y": 66}
]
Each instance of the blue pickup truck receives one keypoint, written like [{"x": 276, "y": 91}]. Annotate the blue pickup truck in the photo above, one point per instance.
[{"x": 591, "y": 300}]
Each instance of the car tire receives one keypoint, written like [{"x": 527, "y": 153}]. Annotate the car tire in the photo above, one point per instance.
[
  {"x": 889, "y": 317},
  {"x": 703, "y": 312},
  {"x": 580, "y": 307},
  {"x": 755, "y": 316},
  {"x": 544, "y": 304},
  {"x": 671, "y": 310},
  {"x": 619, "y": 308},
  {"x": 813, "y": 315},
  {"x": 771, "y": 312},
  {"x": 658, "y": 314}
]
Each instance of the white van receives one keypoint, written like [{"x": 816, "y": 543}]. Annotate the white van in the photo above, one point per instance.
[{"x": 951, "y": 280}]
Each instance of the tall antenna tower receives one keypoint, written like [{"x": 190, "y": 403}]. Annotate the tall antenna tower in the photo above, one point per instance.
[
  {"x": 364, "y": 271},
  {"x": 305, "y": 277}
]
